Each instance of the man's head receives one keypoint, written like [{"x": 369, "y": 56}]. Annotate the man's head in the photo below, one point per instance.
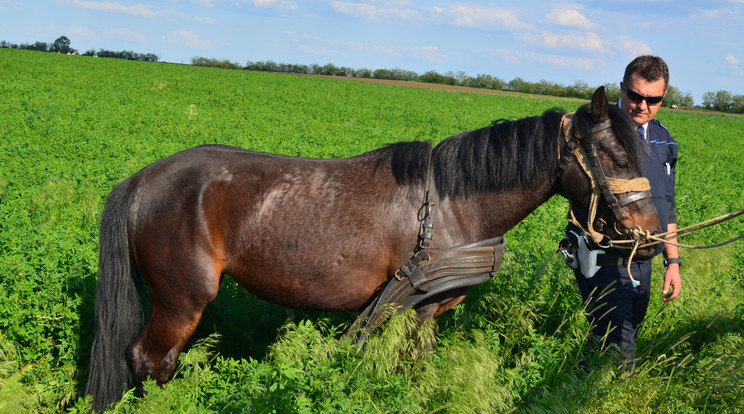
[{"x": 644, "y": 85}]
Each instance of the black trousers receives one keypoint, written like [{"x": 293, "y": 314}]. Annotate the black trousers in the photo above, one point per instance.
[{"x": 614, "y": 306}]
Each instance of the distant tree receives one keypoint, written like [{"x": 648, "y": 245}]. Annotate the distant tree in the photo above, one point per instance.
[
  {"x": 518, "y": 85},
  {"x": 402, "y": 74},
  {"x": 580, "y": 89},
  {"x": 724, "y": 101},
  {"x": 542, "y": 87},
  {"x": 708, "y": 98},
  {"x": 39, "y": 46},
  {"x": 718, "y": 101},
  {"x": 612, "y": 90},
  {"x": 433, "y": 77},
  {"x": 327, "y": 69},
  {"x": 196, "y": 61},
  {"x": 485, "y": 81},
  {"x": 363, "y": 73},
  {"x": 62, "y": 44},
  {"x": 382, "y": 74},
  {"x": 557, "y": 89},
  {"x": 675, "y": 97},
  {"x": 738, "y": 104},
  {"x": 267, "y": 66}
]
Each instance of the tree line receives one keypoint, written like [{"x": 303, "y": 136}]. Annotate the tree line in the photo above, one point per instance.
[
  {"x": 62, "y": 45},
  {"x": 718, "y": 101},
  {"x": 723, "y": 101}
]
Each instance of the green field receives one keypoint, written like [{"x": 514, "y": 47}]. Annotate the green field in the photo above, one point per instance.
[{"x": 72, "y": 127}]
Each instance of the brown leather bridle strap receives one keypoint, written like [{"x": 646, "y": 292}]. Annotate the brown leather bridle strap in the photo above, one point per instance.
[
  {"x": 633, "y": 190},
  {"x": 426, "y": 214}
]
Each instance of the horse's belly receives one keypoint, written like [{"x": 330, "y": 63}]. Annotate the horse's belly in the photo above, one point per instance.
[{"x": 329, "y": 290}]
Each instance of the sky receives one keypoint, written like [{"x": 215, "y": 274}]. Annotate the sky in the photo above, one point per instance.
[{"x": 560, "y": 42}]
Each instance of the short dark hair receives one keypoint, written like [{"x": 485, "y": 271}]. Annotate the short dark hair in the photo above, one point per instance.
[{"x": 650, "y": 68}]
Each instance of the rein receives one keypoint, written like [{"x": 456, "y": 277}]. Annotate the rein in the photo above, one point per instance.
[{"x": 685, "y": 231}]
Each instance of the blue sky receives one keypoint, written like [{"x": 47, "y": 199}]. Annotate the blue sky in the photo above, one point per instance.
[{"x": 561, "y": 42}]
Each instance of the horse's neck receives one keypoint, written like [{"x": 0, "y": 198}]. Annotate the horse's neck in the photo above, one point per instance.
[{"x": 485, "y": 215}]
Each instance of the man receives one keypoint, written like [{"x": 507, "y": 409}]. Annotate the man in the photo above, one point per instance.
[{"x": 619, "y": 313}]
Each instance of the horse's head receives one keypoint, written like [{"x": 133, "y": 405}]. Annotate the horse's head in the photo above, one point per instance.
[{"x": 601, "y": 174}]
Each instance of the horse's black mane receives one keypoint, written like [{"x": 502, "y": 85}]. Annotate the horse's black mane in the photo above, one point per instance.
[{"x": 475, "y": 161}]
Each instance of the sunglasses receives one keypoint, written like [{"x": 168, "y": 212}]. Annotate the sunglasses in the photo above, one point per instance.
[{"x": 637, "y": 97}]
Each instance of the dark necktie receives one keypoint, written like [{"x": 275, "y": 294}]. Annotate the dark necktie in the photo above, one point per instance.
[{"x": 640, "y": 132}]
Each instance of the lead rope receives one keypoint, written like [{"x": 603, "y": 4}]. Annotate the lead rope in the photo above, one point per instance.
[
  {"x": 685, "y": 231},
  {"x": 661, "y": 237}
]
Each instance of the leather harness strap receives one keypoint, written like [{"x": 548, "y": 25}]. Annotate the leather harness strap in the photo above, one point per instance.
[
  {"x": 426, "y": 214},
  {"x": 431, "y": 274}
]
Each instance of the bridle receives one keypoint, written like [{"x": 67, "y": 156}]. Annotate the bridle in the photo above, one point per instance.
[{"x": 618, "y": 193}]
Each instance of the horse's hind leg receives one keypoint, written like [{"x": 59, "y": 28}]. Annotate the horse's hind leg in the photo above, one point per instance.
[{"x": 177, "y": 306}]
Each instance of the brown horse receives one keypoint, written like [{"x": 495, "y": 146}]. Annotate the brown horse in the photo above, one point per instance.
[{"x": 323, "y": 234}]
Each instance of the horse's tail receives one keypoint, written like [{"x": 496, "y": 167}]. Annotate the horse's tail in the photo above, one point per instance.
[{"x": 118, "y": 309}]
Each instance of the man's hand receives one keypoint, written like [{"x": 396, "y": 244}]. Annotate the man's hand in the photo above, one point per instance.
[{"x": 673, "y": 280}]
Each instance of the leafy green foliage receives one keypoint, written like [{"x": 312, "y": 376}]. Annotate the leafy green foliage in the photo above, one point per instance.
[{"x": 73, "y": 127}]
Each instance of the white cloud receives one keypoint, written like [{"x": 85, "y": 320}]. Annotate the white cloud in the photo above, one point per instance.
[
  {"x": 570, "y": 18},
  {"x": 9, "y": 5},
  {"x": 124, "y": 33},
  {"x": 428, "y": 53},
  {"x": 633, "y": 47},
  {"x": 590, "y": 41},
  {"x": 525, "y": 57},
  {"x": 731, "y": 60},
  {"x": 503, "y": 54},
  {"x": 432, "y": 53},
  {"x": 354, "y": 45},
  {"x": 280, "y": 3},
  {"x": 205, "y": 3},
  {"x": 319, "y": 46},
  {"x": 562, "y": 61},
  {"x": 187, "y": 38},
  {"x": 316, "y": 50},
  {"x": 205, "y": 20},
  {"x": 106, "y": 6},
  {"x": 81, "y": 31},
  {"x": 727, "y": 13},
  {"x": 373, "y": 13},
  {"x": 108, "y": 33},
  {"x": 487, "y": 18}
]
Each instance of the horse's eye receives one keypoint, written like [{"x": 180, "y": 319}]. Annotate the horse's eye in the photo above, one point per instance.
[{"x": 621, "y": 165}]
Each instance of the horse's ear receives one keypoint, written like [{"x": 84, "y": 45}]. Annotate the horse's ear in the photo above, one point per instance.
[{"x": 599, "y": 104}]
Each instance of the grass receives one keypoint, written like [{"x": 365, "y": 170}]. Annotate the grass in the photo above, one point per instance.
[{"x": 73, "y": 127}]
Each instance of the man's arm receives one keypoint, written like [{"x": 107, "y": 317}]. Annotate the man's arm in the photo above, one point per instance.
[{"x": 672, "y": 276}]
